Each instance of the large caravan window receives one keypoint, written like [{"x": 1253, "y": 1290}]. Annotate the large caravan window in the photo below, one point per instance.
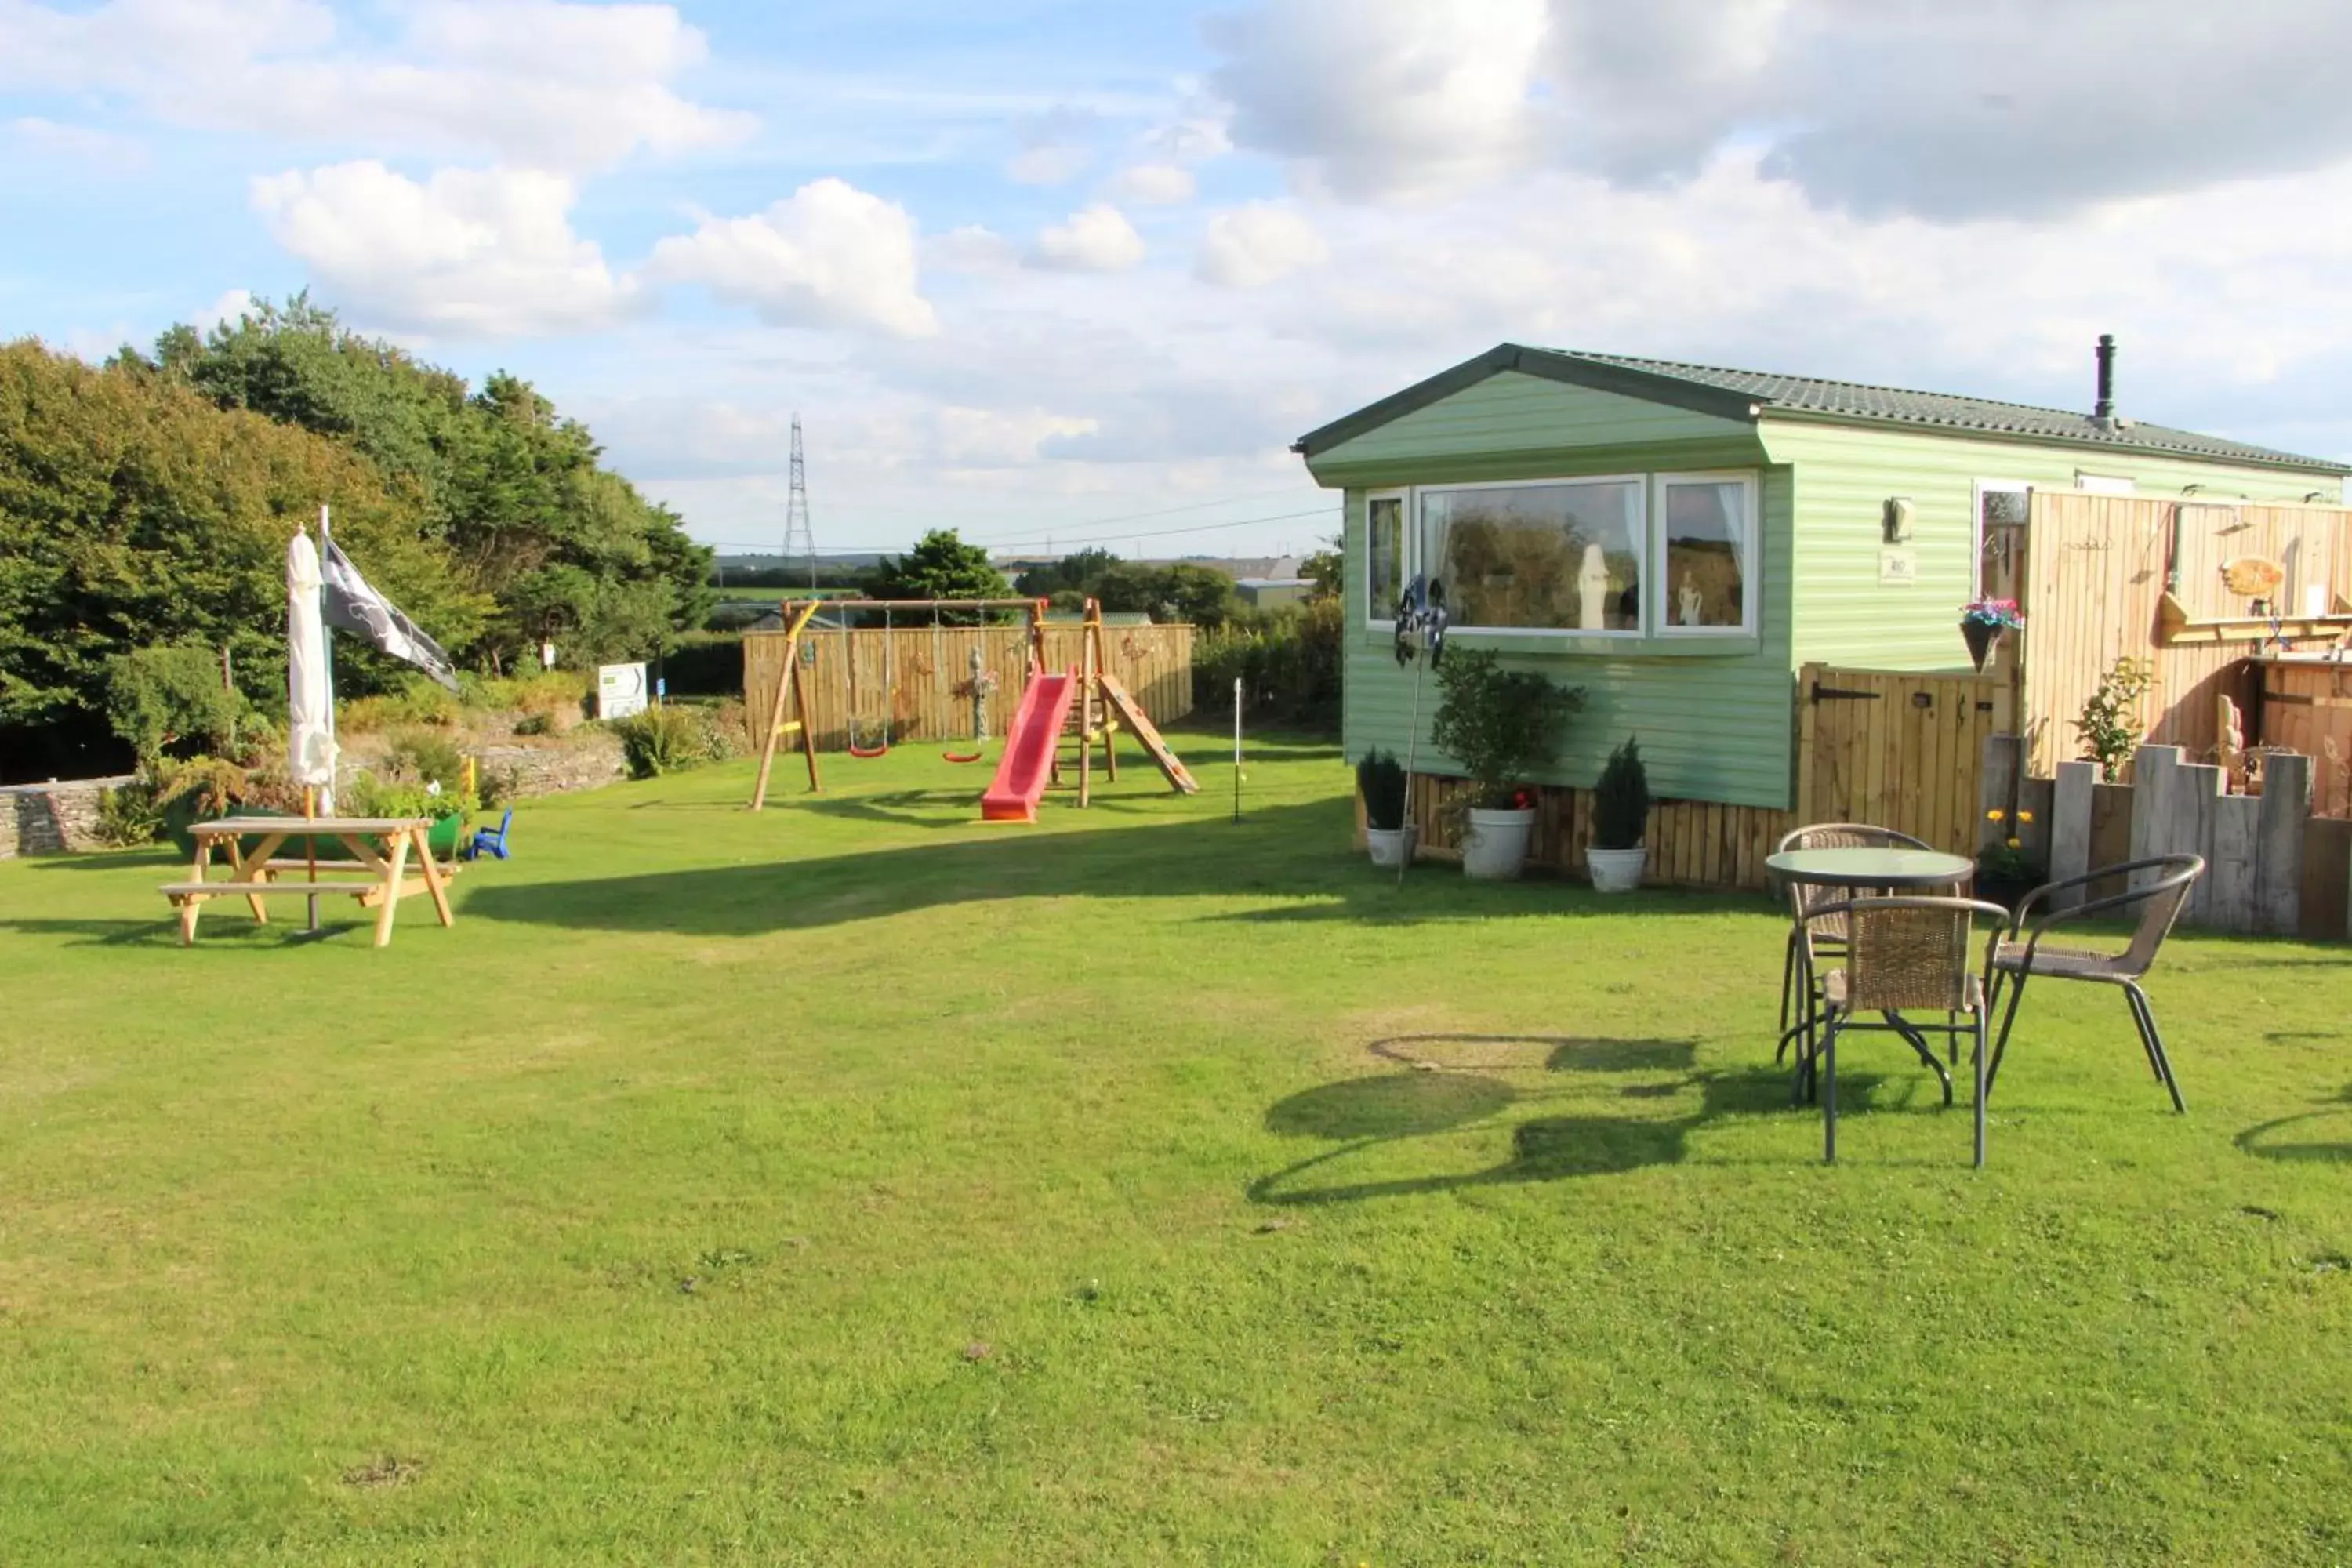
[{"x": 1562, "y": 556}]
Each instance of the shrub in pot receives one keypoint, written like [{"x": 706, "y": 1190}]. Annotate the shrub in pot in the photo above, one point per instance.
[
  {"x": 1502, "y": 725},
  {"x": 1621, "y": 811},
  {"x": 1380, "y": 779}
]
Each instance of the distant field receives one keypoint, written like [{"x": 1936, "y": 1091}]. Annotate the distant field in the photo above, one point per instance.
[{"x": 769, "y": 595}]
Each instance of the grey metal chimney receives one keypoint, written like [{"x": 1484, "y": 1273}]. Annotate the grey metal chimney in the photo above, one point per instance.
[{"x": 2104, "y": 410}]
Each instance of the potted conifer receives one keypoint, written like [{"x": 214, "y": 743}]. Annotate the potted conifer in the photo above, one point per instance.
[
  {"x": 1621, "y": 812},
  {"x": 1502, "y": 725},
  {"x": 1380, "y": 779}
]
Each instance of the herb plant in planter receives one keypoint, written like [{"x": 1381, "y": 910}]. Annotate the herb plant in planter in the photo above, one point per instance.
[
  {"x": 1621, "y": 812},
  {"x": 1380, "y": 779},
  {"x": 1502, "y": 725}
]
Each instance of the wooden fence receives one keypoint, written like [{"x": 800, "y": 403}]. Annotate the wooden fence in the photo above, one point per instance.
[
  {"x": 1692, "y": 844},
  {"x": 2271, "y": 864},
  {"x": 919, "y": 677},
  {"x": 2096, "y": 574},
  {"x": 1902, "y": 750}
]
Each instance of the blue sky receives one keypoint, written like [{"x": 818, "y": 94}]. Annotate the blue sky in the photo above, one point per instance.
[{"x": 1081, "y": 272}]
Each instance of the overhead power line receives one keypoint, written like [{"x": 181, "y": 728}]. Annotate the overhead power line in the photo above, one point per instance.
[{"x": 1057, "y": 538}]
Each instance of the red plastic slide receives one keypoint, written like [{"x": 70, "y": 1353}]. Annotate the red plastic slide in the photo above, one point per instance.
[{"x": 1029, "y": 748}]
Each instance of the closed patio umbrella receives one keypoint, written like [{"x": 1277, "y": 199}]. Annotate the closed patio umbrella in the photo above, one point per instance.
[{"x": 309, "y": 694}]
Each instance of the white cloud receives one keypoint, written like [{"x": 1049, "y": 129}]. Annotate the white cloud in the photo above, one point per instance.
[
  {"x": 1375, "y": 98},
  {"x": 1056, "y": 146},
  {"x": 570, "y": 86},
  {"x": 466, "y": 252},
  {"x": 1258, "y": 244},
  {"x": 1098, "y": 239},
  {"x": 1953, "y": 111},
  {"x": 828, "y": 255},
  {"x": 971, "y": 248},
  {"x": 1154, "y": 184},
  {"x": 1048, "y": 165},
  {"x": 225, "y": 311},
  {"x": 999, "y": 437}
]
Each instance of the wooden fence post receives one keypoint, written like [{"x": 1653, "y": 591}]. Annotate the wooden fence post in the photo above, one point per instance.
[
  {"x": 2278, "y": 853},
  {"x": 2004, "y": 758},
  {"x": 2196, "y": 809},
  {"x": 2070, "y": 827},
  {"x": 2230, "y": 889},
  {"x": 2154, "y": 790},
  {"x": 1803, "y": 804}
]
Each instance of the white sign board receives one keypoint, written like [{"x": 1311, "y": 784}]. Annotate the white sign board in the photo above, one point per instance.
[
  {"x": 1897, "y": 567},
  {"x": 620, "y": 690}
]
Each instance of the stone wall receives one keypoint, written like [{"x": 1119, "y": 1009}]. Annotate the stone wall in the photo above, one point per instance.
[
  {"x": 580, "y": 762},
  {"x": 55, "y": 818},
  {"x": 51, "y": 818}
]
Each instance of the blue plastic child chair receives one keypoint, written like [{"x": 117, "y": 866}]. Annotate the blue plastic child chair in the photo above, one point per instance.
[{"x": 492, "y": 841}]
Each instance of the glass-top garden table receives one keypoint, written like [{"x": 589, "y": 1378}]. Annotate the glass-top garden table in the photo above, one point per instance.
[
  {"x": 1862, "y": 871},
  {"x": 1865, "y": 868}
]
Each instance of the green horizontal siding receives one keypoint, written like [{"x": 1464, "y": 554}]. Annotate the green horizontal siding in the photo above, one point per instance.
[
  {"x": 1515, "y": 412},
  {"x": 1844, "y": 475}
]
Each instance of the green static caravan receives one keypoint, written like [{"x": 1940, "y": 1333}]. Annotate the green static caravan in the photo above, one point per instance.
[{"x": 1679, "y": 540}]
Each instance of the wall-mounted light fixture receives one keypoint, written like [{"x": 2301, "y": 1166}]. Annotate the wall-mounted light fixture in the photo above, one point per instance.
[{"x": 1897, "y": 520}]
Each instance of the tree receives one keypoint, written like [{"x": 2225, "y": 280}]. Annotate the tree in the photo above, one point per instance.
[
  {"x": 134, "y": 513},
  {"x": 1076, "y": 572},
  {"x": 940, "y": 566},
  {"x": 1327, "y": 569},
  {"x": 512, "y": 488},
  {"x": 1180, "y": 591}
]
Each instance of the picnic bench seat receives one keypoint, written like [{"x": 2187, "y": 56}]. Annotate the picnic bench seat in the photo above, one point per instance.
[{"x": 379, "y": 846}]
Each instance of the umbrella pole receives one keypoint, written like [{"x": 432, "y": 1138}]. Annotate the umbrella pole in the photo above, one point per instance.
[{"x": 310, "y": 845}]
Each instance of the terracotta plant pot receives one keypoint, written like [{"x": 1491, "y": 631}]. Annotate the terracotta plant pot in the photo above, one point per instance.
[{"x": 1494, "y": 847}]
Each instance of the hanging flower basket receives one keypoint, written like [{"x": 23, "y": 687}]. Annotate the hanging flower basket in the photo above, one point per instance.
[{"x": 1982, "y": 623}]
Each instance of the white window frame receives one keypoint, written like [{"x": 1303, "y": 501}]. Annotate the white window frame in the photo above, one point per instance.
[
  {"x": 1377, "y": 613},
  {"x": 1750, "y": 529},
  {"x": 1415, "y": 566},
  {"x": 1976, "y": 525}
]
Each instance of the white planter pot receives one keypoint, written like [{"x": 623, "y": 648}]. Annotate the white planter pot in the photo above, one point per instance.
[
  {"x": 1616, "y": 870},
  {"x": 1390, "y": 846},
  {"x": 1495, "y": 847}
]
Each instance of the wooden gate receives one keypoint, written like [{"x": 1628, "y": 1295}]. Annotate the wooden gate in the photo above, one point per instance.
[{"x": 1898, "y": 749}]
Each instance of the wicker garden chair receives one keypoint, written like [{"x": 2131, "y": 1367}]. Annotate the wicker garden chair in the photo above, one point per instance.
[
  {"x": 2019, "y": 954},
  {"x": 1903, "y": 955},
  {"x": 1816, "y": 936}
]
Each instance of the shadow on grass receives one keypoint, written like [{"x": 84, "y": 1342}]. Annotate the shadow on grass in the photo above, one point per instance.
[
  {"x": 1295, "y": 853},
  {"x": 1365, "y": 1113},
  {"x": 2273, "y": 1139}
]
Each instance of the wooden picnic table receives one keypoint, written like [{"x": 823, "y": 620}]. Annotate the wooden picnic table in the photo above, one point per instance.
[{"x": 379, "y": 849}]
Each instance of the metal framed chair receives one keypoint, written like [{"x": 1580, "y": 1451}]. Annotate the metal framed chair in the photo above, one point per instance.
[
  {"x": 1815, "y": 935},
  {"x": 2160, "y": 899},
  {"x": 1907, "y": 953}
]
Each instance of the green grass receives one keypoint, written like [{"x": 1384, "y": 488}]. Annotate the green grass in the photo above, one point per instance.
[{"x": 855, "y": 1183}]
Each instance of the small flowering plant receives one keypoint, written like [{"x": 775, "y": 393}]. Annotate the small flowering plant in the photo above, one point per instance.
[
  {"x": 2001, "y": 615},
  {"x": 2008, "y": 860}
]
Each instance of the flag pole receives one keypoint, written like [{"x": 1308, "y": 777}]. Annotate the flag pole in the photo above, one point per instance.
[{"x": 311, "y": 792}]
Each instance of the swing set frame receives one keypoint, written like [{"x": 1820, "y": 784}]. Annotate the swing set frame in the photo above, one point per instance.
[{"x": 789, "y": 714}]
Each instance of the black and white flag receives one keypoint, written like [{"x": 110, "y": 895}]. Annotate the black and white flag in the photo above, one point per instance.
[{"x": 353, "y": 606}]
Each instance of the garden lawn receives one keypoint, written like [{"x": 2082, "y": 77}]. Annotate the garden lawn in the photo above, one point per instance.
[{"x": 853, "y": 1182}]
